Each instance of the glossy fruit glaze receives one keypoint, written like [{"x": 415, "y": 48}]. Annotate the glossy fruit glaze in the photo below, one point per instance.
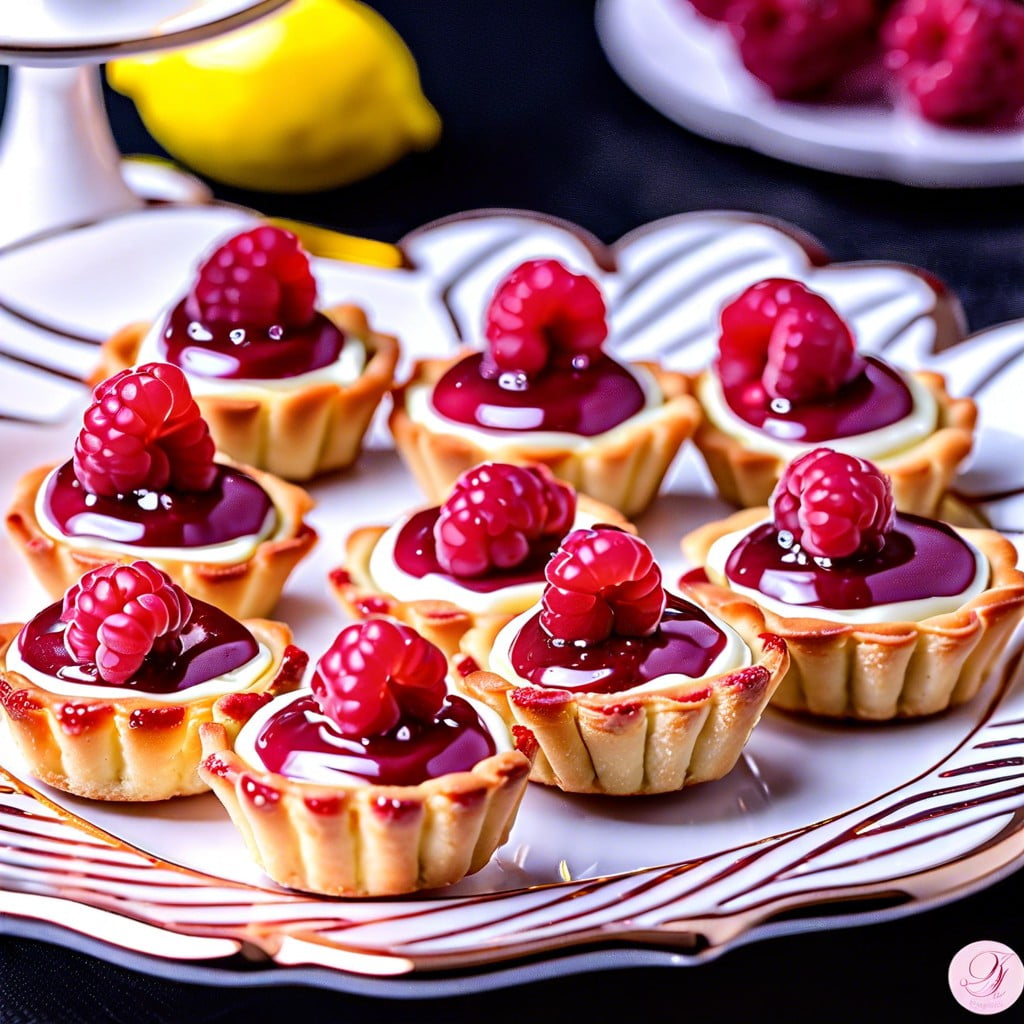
[{"x": 234, "y": 506}]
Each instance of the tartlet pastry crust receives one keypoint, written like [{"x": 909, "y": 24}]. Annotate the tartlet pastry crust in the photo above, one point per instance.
[
  {"x": 294, "y": 433},
  {"x": 920, "y": 474},
  {"x": 623, "y": 467},
  {"x": 367, "y": 840},
  {"x": 441, "y": 622},
  {"x": 623, "y": 744},
  {"x": 876, "y": 671},
  {"x": 247, "y": 589},
  {"x": 131, "y": 747}
]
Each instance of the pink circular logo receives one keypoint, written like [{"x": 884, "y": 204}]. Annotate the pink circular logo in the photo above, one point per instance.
[{"x": 986, "y": 977}]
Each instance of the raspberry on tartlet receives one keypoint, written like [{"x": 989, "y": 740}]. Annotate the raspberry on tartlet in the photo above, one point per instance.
[
  {"x": 376, "y": 782},
  {"x": 284, "y": 386},
  {"x": 481, "y": 553},
  {"x": 789, "y": 376},
  {"x": 104, "y": 692},
  {"x": 143, "y": 484},
  {"x": 627, "y": 687},
  {"x": 886, "y": 614},
  {"x": 545, "y": 389}
]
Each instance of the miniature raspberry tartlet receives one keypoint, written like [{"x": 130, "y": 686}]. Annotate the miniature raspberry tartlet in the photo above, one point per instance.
[
  {"x": 105, "y": 691},
  {"x": 479, "y": 555},
  {"x": 378, "y": 781},
  {"x": 886, "y": 615},
  {"x": 788, "y": 377},
  {"x": 627, "y": 688},
  {"x": 284, "y": 387},
  {"x": 545, "y": 391},
  {"x": 143, "y": 483}
]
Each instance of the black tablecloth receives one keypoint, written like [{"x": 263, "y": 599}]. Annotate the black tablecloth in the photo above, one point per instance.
[{"x": 535, "y": 119}]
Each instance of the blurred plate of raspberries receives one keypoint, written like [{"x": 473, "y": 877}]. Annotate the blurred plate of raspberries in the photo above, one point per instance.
[{"x": 925, "y": 92}]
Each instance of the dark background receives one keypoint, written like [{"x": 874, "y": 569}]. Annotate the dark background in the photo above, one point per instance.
[{"x": 534, "y": 118}]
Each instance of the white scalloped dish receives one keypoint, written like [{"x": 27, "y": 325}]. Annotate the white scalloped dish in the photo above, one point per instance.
[{"x": 815, "y": 818}]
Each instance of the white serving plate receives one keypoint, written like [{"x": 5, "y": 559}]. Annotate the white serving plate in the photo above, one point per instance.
[
  {"x": 686, "y": 66},
  {"x": 815, "y": 813}
]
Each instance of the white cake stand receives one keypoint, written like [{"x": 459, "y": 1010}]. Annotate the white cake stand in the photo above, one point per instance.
[{"x": 59, "y": 165}]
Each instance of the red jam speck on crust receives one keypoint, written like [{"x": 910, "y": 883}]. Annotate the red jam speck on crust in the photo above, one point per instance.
[
  {"x": 251, "y": 313},
  {"x": 789, "y": 367},
  {"x": 496, "y": 513},
  {"x": 544, "y": 368}
]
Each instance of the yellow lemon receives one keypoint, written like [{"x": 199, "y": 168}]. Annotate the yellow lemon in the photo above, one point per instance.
[{"x": 323, "y": 93}]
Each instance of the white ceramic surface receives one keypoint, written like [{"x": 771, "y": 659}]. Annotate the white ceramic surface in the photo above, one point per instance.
[
  {"x": 686, "y": 67},
  {"x": 813, "y": 812}
]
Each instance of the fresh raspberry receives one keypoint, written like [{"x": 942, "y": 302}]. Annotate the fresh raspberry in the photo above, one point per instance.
[
  {"x": 959, "y": 61},
  {"x": 542, "y": 310},
  {"x": 599, "y": 582},
  {"x": 377, "y": 672},
  {"x": 260, "y": 278},
  {"x": 493, "y": 514},
  {"x": 144, "y": 431},
  {"x": 834, "y": 505},
  {"x": 802, "y": 48},
  {"x": 790, "y": 338},
  {"x": 117, "y": 614}
]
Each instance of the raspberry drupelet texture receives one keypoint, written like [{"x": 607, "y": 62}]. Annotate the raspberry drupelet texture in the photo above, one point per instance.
[
  {"x": 117, "y": 614},
  {"x": 144, "y": 431},
  {"x": 790, "y": 339},
  {"x": 259, "y": 278},
  {"x": 599, "y": 582},
  {"x": 374, "y": 674},
  {"x": 495, "y": 512},
  {"x": 959, "y": 61},
  {"x": 802, "y": 48},
  {"x": 834, "y": 505},
  {"x": 543, "y": 311}
]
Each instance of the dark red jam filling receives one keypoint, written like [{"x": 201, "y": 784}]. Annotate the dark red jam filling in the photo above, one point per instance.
[
  {"x": 687, "y": 642},
  {"x": 586, "y": 401},
  {"x": 416, "y": 554},
  {"x": 235, "y": 506},
  {"x": 877, "y": 397},
  {"x": 921, "y": 558},
  {"x": 301, "y": 743},
  {"x": 211, "y": 644},
  {"x": 249, "y": 353}
]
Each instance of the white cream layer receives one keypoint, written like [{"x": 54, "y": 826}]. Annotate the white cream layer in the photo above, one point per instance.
[
  {"x": 897, "y": 611},
  {"x": 237, "y": 681},
  {"x": 313, "y": 767},
  {"x": 229, "y": 552},
  {"x": 734, "y": 655},
  {"x": 498, "y": 443},
  {"x": 389, "y": 578},
  {"x": 343, "y": 371},
  {"x": 874, "y": 444}
]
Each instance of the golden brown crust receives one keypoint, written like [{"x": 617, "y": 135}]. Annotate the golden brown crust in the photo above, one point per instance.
[
  {"x": 623, "y": 468},
  {"x": 630, "y": 743},
  {"x": 441, "y": 622},
  {"x": 367, "y": 840},
  {"x": 247, "y": 589},
  {"x": 294, "y": 434},
  {"x": 920, "y": 475},
  {"x": 877, "y": 671},
  {"x": 130, "y": 748}
]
